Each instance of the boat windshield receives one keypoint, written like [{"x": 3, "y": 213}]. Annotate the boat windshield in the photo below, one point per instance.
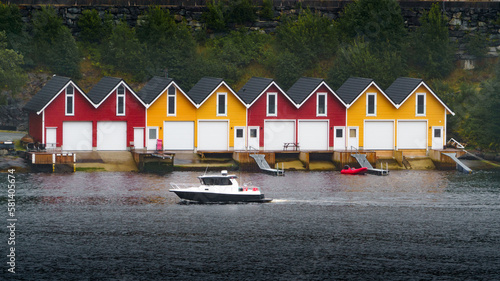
[{"x": 215, "y": 181}]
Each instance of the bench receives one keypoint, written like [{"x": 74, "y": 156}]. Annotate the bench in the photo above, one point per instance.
[{"x": 292, "y": 145}]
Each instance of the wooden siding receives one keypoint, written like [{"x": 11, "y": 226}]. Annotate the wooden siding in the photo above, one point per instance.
[
  {"x": 356, "y": 114},
  {"x": 236, "y": 112},
  {"x": 35, "y": 126},
  {"x": 157, "y": 112}
]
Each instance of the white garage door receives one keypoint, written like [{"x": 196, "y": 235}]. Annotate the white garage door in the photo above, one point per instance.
[
  {"x": 212, "y": 135},
  {"x": 178, "y": 135},
  {"x": 77, "y": 136},
  {"x": 412, "y": 135},
  {"x": 112, "y": 135},
  {"x": 276, "y": 133},
  {"x": 313, "y": 135},
  {"x": 379, "y": 135}
]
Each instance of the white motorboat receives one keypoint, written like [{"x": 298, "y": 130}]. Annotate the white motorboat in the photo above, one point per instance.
[{"x": 221, "y": 188}]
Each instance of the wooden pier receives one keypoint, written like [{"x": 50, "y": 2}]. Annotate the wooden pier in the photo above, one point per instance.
[
  {"x": 154, "y": 161},
  {"x": 52, "y": 162}
]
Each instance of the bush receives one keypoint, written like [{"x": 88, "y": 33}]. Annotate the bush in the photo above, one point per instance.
[
  {"x": 12, "y": 76},
  {"x": 54, "y": 45},
  {"x": 267, "y": 10},
  {"x": 476, "y": 44}
]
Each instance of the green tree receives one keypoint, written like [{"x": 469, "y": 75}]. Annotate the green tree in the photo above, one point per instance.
[
  {"x": 430, "y": 47},
  {"x": 10, "y": 19},
  {"x": 359, "y": 60},
  {"x": 168, "y": 46},
  {"x": 54, "y": 45},
  {"x": 216, "y": 16},
  {"x": 267, "y": 10},
  {"x": 12, "y": 76},
  {"x": 124, "y": 52},
  {"x": 376, "y": 21},
  {"x": 93, "y": 29},
  {"x": 310, "y": 37}
]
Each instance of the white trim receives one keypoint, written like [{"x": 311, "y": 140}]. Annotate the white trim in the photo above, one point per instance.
[
  {"x": 416, "y": 104},
  {"x": 317, "y": 104},
  {"x": 126, "y": 87},
  {"x": 422, "y": 83},
  {"x": 268, "y": 86},
  {"x": 225, "y": 104},
  {"x": 215, "y": 90},
  {"x": 275, "y": 104},
  {"x": 175, "y": 102},
  {"x": 374, "y": 104},
  {"x": 328, "y": 87},
  {"x": 118, "y": 96},
  {"x": 43, "y": 127},
  {"x": 163, "y": 91},
  {"x": 62, "y": 89},
  {"x": 72, "y": 95},
  {"x": 365, "y": 89}
]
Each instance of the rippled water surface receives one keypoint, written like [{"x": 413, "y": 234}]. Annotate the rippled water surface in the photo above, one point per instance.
[{"x": 321, "y": 225}]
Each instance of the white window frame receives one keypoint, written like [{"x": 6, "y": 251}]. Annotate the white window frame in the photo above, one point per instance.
[
  {"x": 368, "y": 95},
  {"x": 118, "y": 96},
  {"x": 225, "y": 104},
  {"x": 168, "y": 101},
  {"x": 72, "y": 95},
  {"x": 317, "y": 104},
  {"x": 275, "y": 104},
  {"x": 416, "y": 104}
]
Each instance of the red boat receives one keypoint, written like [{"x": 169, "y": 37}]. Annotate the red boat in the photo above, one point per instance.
[{"x": 352, "y": 171}]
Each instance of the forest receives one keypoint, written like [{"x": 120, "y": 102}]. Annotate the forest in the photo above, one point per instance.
[{"x": 368, "y": 40}]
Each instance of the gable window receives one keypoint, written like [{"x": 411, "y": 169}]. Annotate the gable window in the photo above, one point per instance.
[
  {"x": 120, "y": 101},
  {"x": 371, "y": 105},
  {"x": 321, "y": 104},
  {"x": 221, "y": 104},
  {"x": 171, "y": 101},
  {"x": 70, "y": 101},
  {"x": 271, "y": 104},
  {"x": 420, "y": 105}
]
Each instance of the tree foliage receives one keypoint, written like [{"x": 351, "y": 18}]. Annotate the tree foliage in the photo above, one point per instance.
[
  {"x": 12, "y": 76},
  {"x": 360, "y": 60},
  {"x": 430, "y": 47},
  {"x": 93, "y": 29},
  {"x": 54, "y": 45},
  {"x": 223, "y": 12},
  {"x": 10, "y": 19}
]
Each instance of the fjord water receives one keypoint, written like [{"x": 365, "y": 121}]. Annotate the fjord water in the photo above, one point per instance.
[{"x": 321, "y": 225}]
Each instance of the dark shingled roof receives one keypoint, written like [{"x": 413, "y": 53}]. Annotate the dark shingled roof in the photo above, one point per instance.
[
  {"x": 203, "y": 88},
  {"x": 103, "y": 88},
  {"x": 53, "y": 86},
  {"x": 154, "y": 88},
  {"x": 351, "y": 88},
  {"x": 401, "y": 88},
  {"x": 253, "y": 88},
  {"x": 303, "y": 88}
]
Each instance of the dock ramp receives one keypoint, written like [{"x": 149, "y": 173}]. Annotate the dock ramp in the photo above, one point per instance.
[
  {"x": 264, "y": 166},
  {"x": 361, "y": 158},
  {"x": 460, "y": 165}
]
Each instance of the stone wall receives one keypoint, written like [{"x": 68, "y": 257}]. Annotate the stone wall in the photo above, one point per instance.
[{"x": 464, "y": 17}]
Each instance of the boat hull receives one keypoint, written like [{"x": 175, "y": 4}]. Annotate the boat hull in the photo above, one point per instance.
[
  {"x": 359, "y": 171},
  {"x": 210, "y": 197}
]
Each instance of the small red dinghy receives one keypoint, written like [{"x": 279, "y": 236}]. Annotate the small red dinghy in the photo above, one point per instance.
[{"x": 352, "y": 171}]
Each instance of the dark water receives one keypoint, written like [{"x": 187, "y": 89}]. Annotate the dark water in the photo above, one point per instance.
[{"x": 411, "y": 225}]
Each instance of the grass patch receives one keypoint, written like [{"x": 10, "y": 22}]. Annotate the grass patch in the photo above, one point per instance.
[{"x": 90, "y": 169}]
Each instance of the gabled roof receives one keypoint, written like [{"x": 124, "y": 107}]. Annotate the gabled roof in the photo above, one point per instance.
[
  {"x": 156, "y": 87},
  {"x": 105, "y": 87},
  {"x": 256, "y": 87},
  {"x": 49, "y": 92},
  {"x": 305, "y": 87},
  {"x": 401, "y": 89},
  {"x": 353, "y": 87},
  {"x": 253, "y": 88},
  {"x": 206, "y": 87}
]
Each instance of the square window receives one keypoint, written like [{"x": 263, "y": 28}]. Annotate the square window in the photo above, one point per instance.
[
  {"x": 253, "y": 133},
  {"x": 239, "y": 133},
  {"x": 437, "y": 133},
  {"x": 152, "y": 133},
  {"x": 339, "y": 133},
  {"x": 352, "y": 133}
]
